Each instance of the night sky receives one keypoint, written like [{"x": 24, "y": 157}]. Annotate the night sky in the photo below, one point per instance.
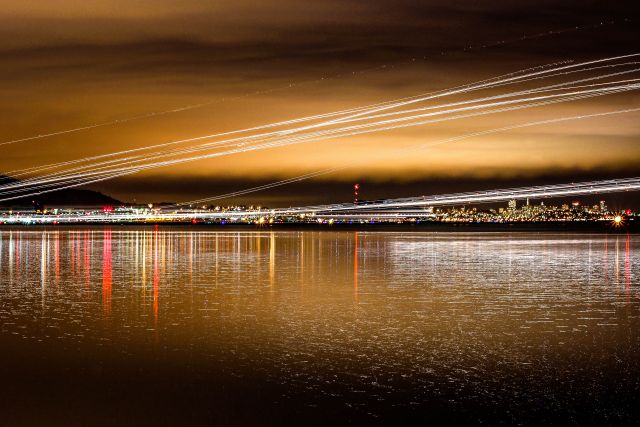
[{"x": 72, "y": 63}]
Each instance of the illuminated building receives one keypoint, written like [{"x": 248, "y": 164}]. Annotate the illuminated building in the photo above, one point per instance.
[{"x": 603, "y": 206}]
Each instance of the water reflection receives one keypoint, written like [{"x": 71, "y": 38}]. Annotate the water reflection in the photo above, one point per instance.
[
  {"x": 627, "y": 267},
  {"x": 249, "y": 260},
  {"x": 355, "y": 265},
  {"x": 106, "y": 273},
  {"x": 339, "y": 314}
]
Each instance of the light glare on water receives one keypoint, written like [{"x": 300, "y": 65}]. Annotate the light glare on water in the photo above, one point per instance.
[{"x": 482, "y": 327}]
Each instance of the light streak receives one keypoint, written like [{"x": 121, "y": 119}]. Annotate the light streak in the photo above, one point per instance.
[
  {"x": 344, "y": 210},
  {"x": 510, "y": 78},
  {"x": 103, "y": 174},
  {"x": 399, "y": 152},
  {"x": 100, "y": 175},
  {"x": 488, "y": 196},
  {"x": 501, "y": 96},
  {"x": 101, "y": 171}
]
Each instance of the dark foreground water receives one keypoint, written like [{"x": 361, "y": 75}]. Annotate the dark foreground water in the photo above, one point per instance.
[{"x": 136, "y": 326}]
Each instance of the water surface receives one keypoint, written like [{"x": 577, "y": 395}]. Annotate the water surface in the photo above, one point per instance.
[{"x": 164, "y": 325}]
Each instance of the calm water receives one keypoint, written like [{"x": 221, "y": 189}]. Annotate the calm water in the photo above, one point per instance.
[{"x": 159, "y": 326}]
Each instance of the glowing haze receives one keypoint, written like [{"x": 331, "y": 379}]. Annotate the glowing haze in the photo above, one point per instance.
[{"x": 69, "y": 64}]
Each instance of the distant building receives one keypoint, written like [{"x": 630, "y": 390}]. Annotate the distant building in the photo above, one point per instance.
[
  {"x": 603, "y": 206},
  {"x": 512, "y": 204}
]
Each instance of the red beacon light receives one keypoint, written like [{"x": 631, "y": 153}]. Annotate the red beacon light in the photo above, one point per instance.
[{"x": 107, "y": 209}]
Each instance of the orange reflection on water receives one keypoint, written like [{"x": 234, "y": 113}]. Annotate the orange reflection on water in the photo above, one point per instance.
[
  {"x": 234, "y": 273},
  {"x": 272, "y": 258},
  {"x": 73, "y": 253},
  {"x": 627, "y": 267},
  {"x": 17, "y": 254},
  {"x": 156, "y": 277},
  {"x": 355, "y": 265},
  {"x": 87, "y": 259},
  {"x": 56, "y": 255},
  {"x": 605, "y": 266},
  {"x": 106, "y": 273}
]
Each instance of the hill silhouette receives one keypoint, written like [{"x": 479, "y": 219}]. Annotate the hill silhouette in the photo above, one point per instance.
[{"x": 67, "y": 197}]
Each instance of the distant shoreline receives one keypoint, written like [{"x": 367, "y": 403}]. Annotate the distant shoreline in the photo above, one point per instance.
[{"x": 587, "y": 227}]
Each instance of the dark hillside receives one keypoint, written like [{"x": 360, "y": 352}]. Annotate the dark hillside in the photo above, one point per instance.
[{"x": 67, "y": 197}]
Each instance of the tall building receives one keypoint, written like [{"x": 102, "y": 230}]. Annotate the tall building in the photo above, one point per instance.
[
  {"x": 603, "y": 206},
  {"x": 512, "y": 204}
]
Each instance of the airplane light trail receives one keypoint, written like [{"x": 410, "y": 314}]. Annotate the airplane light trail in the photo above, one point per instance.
[
  {"x": 101, "y": 174},
  {"x": 400, "y": 152},
  {"x": 516, "y": 77},
  {"x": 104, "y": 172},
  {"x": 488, "y": 83},
  {"x": 341, "y": 124}
]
